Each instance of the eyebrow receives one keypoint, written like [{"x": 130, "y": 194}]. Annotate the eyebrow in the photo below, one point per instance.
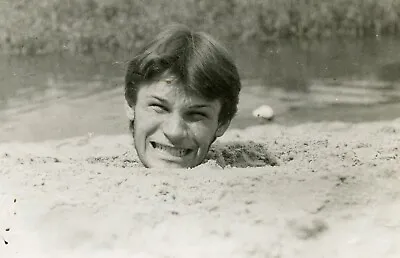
[
  {"x": 192, "y": 106},
  {"x": 201, "y": 106}
]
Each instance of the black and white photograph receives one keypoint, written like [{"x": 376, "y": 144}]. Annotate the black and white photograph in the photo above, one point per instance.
[{"x": 200, "y": 128}]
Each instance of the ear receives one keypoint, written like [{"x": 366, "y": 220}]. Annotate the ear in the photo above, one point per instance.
[
  {"x": 130, "y": 112},
  {"x": 222, "y": 128}
]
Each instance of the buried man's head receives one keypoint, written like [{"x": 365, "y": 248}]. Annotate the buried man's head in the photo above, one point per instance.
[{"x": 181, "y": 92}]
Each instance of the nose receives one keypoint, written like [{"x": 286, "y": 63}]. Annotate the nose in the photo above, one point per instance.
[{"x": 175, "y": 128}]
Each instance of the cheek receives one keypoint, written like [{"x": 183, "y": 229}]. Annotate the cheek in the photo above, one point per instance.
[
  {"x": 203, "y": 134},
  {"x": 144, "y": 122}
]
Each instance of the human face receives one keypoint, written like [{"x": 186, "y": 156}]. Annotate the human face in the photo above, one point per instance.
[{"x": 173, "y": 129}]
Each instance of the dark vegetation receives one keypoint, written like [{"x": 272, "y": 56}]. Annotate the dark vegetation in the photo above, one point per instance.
[{"x": 87, "y": 26}]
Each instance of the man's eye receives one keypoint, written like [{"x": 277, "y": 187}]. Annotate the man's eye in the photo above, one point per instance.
[
  {"x": 158, "y": 108},
  {"x": 198, "y": 115}
]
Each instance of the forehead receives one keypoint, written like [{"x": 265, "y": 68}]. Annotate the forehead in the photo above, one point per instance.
[{"x": 173, "y": 91}]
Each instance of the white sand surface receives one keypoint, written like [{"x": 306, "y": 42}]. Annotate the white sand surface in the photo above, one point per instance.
[{"x": 335, "y": 192}]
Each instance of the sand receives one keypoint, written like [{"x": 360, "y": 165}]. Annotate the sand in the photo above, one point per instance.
[{"x": 334, "y": 191}]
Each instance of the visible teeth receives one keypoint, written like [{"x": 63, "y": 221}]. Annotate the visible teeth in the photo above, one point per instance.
[{"x": 178, "y": 152}]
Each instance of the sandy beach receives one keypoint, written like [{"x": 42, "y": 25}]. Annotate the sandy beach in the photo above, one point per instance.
[{"x": 334, "y": 191}]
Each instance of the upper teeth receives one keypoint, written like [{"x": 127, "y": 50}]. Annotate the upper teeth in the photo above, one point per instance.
[{"x": 178, "y": 152}]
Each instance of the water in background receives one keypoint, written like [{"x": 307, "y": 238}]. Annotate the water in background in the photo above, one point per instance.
[{"x": 58, "y": 96}]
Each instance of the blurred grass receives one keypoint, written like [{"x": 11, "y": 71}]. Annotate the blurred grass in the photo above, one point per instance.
[{"x": 86, "y": 26}]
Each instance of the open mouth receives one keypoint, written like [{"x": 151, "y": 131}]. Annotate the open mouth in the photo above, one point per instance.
[{"x": 173, "y": 151}]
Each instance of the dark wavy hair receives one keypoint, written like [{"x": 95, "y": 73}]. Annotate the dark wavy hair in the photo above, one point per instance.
[{"x": 201, "y": 64}]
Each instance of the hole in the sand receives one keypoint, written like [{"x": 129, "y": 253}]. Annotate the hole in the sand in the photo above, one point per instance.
[
  {"x": 228, "y": 154},
  {"x": 242, "y": 154}
]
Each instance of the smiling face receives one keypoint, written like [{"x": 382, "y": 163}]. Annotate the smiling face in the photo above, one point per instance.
[{"x": 174, "y": 129}]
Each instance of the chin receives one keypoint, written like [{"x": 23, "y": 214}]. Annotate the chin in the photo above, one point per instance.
[{"x": 157, "y": 163}]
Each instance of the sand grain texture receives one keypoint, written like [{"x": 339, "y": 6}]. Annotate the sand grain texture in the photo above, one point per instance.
[{"x": 335, "y": 192}]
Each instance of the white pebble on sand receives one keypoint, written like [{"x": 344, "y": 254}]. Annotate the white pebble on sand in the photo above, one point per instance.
[{"x": 264, "y": 111}]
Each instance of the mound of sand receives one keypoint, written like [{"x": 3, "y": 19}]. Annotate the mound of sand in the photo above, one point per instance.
[{"x": 313, "y": 190}]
